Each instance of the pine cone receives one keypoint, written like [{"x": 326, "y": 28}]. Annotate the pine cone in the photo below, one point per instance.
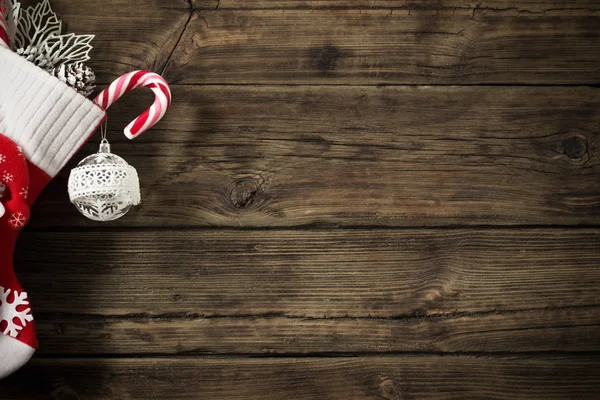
[
  {"x": 77, "y": 75},
  {"x": 37, "y": 56}
]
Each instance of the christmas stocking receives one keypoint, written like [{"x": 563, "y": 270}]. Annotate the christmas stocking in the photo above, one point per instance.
[
  {"x": 48, "y": 122},
  {"x": 16, "y": 320}
]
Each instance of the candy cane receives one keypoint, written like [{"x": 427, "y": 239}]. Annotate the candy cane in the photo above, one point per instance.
[
  {"x": 4, "y": 42},
  {"x": 134, "y": 80}
]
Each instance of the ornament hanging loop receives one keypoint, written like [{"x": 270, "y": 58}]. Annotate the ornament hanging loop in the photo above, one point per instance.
[
  {"x": 104, "y": 145},
  {"x": 103, "y": 129}
]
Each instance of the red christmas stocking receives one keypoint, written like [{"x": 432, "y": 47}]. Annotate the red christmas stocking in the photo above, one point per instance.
[
  {"x": 16, "y": 321},
  {"x": 48, "y": 121}
]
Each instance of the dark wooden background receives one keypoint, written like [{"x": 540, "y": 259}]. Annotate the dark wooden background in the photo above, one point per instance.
[{"x": 353, "y": 199}]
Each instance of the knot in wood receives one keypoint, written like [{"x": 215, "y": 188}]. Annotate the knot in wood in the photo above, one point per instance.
[
  {"x": 575, "y": 147},
  {"x": 324, "y": 58},
  {"x": 245, "y": 192}
]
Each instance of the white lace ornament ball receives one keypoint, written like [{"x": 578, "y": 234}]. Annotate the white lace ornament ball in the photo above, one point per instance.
[{"x": 103, "y": 186}]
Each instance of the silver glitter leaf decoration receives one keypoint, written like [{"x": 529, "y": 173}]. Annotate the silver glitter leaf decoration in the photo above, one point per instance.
[
  {"x": 35, "y": 25},
  {"x": 35, "y": 34},
  {"x": 69, "y": 48},
  {"x": 13, "y": 9}
]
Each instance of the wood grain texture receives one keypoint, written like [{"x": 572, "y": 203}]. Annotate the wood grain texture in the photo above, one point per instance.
[
  {"x": 431, "y": 7},
  {"x": 392, "y": 377},
  {"x": 348, "y": 156},
  {"x": 383, "y": 47},
  {"x": 305, "y": 116},
  {"x": 130, "y": 34},
  {"x": 319, "y": 274},
  {"x": 562, "y": 330}
]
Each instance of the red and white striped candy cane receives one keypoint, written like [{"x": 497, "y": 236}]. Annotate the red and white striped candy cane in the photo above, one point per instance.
[
  {"x": 134, "y": 80},
  {"x": 4, "y": 42}
]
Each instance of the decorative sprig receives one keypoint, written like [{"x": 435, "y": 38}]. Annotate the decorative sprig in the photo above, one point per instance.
[
  {"x": 11, "y": 15},
  {"x": 77, "y": 75},
  {"x": 37, "y": 35},
  {"x": 69, "y": 48},
  {"x": 35, "y": 56},
  {"x": 35, "y": 25}
]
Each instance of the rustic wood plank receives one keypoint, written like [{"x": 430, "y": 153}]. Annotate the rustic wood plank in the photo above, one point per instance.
[
  {"x": 562, "y": 330},
  {"x": 383, "y": 47},
  {"x": 320, "y": 274},
  {"x": 393, "y": 377},
  {"x": 432, "y": 7},
  {"x": 393, "y": 156},
  {"x": 130, "y": 34}
]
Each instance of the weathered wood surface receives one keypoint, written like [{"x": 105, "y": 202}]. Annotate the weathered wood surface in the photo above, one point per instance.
[
  {"x": 346, "y": 156},
  {"x": 391, "y": 377},
  {"x": 552, "y": 330},
  {"x": 383, "y": 47},
  {"x": 130, "y": 34},
  {"x": 380, "y": 273},
  {"x": 453, "y": 7},
  {"x": 295, "y": 114},
  {"x": 342, "y": 42}
]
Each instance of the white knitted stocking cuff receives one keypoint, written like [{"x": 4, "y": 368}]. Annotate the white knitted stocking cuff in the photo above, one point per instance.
[{"x": 49, "y": 120}]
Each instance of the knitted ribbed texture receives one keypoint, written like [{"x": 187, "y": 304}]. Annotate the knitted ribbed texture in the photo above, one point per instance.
[{"x": 49, "y": 120}]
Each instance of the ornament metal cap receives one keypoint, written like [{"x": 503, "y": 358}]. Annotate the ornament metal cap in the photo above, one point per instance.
[{"x": 103, "y": 186}]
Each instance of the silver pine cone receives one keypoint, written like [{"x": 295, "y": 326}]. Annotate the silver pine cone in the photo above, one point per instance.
[
  {"x": 37, "y": 56},
  {"x": 77, "y": 75}
]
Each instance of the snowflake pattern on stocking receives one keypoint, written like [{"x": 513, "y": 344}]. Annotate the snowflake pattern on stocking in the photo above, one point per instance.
[
  {"x": 2, "y": 158},
  {"x": 17, "y": 220},
  {"x": 9, "y": 312},
  {"x": 7, "y": 177}
]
